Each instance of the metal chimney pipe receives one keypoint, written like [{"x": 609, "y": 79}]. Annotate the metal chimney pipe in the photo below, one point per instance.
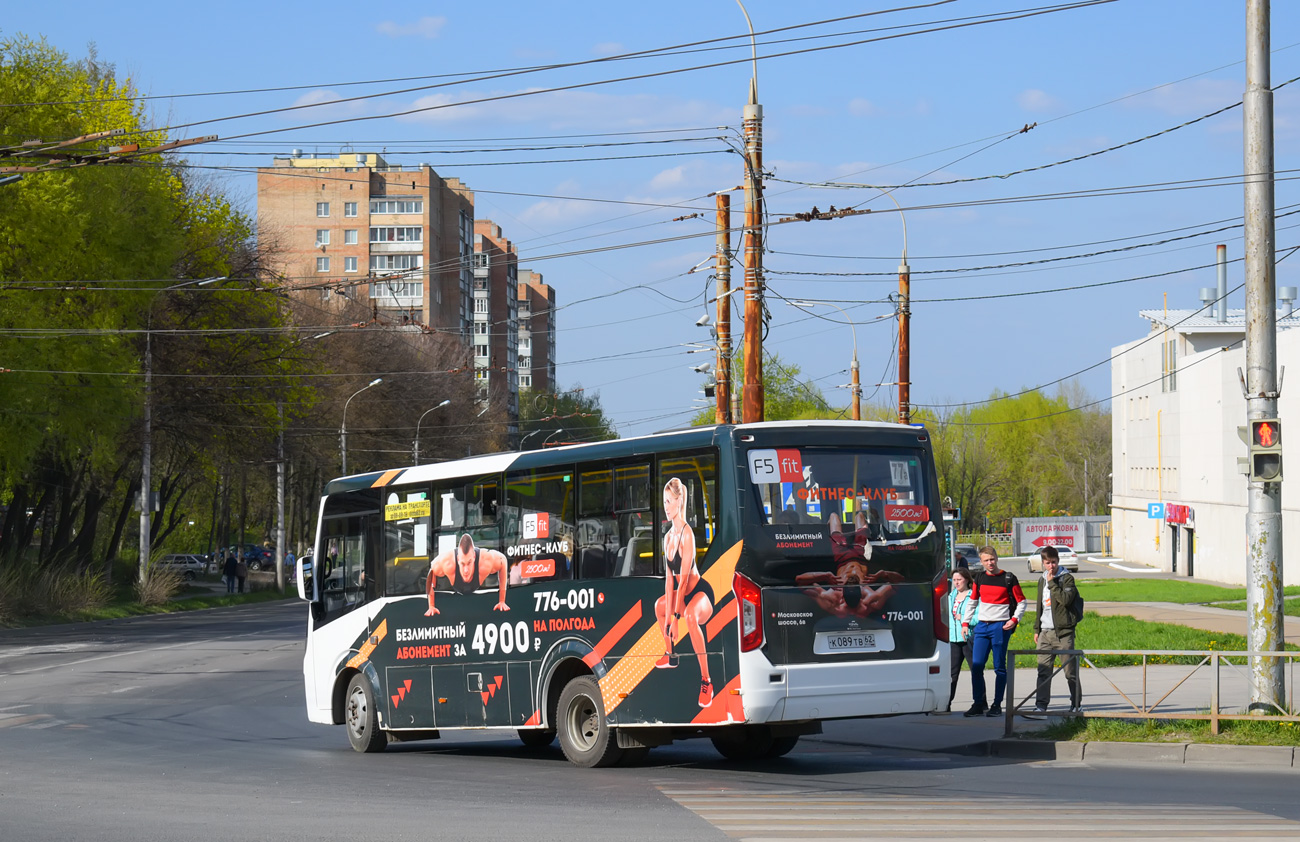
[
  {"x": 1221, "y": 310},
  {"x": 1286, "y": 301}
]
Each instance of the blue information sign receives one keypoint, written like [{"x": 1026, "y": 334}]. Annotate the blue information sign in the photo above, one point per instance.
[{"x": 1156, "y": 511}]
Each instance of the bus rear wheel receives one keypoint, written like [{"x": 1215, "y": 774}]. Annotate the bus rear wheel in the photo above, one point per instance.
[
  {"x": 536, "y": 737},
  {"x": 361, "y": 718},
  {"x": 585, "y": 737},
  {"x": 781, "y": 746},
  {"x": 744, "y": 742}
]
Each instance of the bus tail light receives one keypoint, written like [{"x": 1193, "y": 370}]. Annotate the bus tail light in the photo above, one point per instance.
[
  {"x": 940, "y": 609},
  {"x": 750, "y": 597}
]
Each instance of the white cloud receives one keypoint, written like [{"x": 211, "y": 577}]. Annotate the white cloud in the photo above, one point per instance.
[
  {"x": 326, "y": 106},
  {"x": 863, "y": 108},
  {"x": 426, "y": 27},
  {"x": 585, "y": 110},
  {"x": 1185, "y": 99},
  {"x": 668, "y": 178},
  {"x": 1037, "y": 101},
  {"x": 609, "y": 48}
]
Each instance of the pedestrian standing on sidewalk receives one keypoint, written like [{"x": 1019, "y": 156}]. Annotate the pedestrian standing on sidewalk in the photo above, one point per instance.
[
  {"x": 961, "y": 614},
  {"x": 1058, "y": 597},
  {"x": 228, "y": 570},
  {"x": 1001, "y": 604},
  {"x": 241, "y": 573}
]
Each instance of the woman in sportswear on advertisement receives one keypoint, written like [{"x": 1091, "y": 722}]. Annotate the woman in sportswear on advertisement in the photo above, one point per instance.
[{"x": 686, "y": 595}]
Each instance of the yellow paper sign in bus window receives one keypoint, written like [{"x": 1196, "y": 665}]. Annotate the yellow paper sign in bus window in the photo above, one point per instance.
[{"x": 405, "y": 511}]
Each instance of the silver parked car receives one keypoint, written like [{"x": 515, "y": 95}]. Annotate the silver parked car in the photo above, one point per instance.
[
  {"x": 1069, "y": 559},
  {"x": 188, "y": 565}
]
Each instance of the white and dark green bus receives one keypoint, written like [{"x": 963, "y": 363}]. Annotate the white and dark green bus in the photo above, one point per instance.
[{"x": 742, "y": 583}]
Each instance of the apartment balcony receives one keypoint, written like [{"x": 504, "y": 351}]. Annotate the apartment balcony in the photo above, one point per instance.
[{"x": 416, "y": 247}]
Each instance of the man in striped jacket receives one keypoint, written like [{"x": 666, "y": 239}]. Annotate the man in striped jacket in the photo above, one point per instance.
[{"x": 1000, "y": 605}]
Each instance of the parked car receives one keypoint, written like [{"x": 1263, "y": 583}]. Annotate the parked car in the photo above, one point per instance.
[
  {"x": 970, "y": 553},
  {"x": 1069, "y": 559},
  {"x": 188, "y": 565},
  {"x": 255, "y": 556}
]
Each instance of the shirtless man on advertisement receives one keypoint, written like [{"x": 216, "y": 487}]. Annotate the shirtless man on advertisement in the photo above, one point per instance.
[{"x": 468, "y": 568}]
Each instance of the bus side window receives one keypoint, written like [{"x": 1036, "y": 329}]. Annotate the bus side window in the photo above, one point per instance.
[
  {"x": 636, "y": 521},
  {"x": 598, "y": 549},
  {"x": 698, "y": 474},
  {"x": 407, "y": 536},
  {"x": 537, "y": 524},
  {"x": 344, "y": 567}
]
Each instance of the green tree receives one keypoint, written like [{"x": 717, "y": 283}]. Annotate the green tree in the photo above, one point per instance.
[
  {"x": 74, "y": 322},
  {"x": 564, "y": 417},
  {"x": 787, "y": 396}
]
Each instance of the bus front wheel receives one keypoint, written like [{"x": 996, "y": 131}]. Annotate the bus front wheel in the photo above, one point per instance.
[
  {"x": 361, "y": 718},
  {"x": 584, "y": 735}
]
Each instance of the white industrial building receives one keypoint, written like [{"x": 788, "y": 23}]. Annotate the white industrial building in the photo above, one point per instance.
[{"x": 1177, "y": 406}]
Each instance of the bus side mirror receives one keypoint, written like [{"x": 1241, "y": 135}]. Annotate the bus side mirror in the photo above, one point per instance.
[{"x": 306, "y": 580}]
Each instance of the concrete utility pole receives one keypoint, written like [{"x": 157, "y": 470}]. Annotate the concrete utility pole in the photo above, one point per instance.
[
  {"x": 279, "y": 499},
  {"x": 1264, "y": 499},
  {"x": 723, "y": 367},
  {"x": 753, "y": 400},
  {"x": 904, "y": 343}
]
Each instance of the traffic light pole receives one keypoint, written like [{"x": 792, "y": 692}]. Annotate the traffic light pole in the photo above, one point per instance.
[{"x": 1264, "y": 499}]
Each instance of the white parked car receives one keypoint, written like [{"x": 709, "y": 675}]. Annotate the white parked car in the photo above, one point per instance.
[{"x": 1069, "y": 559}]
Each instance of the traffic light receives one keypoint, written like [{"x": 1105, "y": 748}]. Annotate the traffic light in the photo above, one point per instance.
[{"x": 1265, "y": 450}]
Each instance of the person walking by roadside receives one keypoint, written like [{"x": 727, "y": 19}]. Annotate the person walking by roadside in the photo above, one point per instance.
[
  {"x": 241, "y": 573},
  {"x": 1057, "y": 616},
  {"x": 961, "y": 614},
  {"x": 228, "y": 568},
  {"x": 1001, "y": 604}
]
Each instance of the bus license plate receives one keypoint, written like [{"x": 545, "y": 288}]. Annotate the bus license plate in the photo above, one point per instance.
[{"x": 828, "y": 643}]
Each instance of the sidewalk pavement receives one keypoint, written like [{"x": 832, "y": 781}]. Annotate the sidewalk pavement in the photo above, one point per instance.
[{"x": 1163, "y": 688}]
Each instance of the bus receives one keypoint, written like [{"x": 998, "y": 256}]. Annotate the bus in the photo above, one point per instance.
[{"x": 738, "y": 582}]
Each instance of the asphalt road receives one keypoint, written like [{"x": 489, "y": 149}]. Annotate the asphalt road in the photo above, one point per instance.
[{"x": 191, "y": 727}]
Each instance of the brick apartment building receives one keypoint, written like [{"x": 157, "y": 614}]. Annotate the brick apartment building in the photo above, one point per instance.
[
  {"x": 536, "y": 333},
  {"x": 351, "y": 219},
  {"x": 495, "y": 336}
]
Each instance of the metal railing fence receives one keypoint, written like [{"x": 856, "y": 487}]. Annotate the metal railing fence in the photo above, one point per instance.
[{"x": 1140, "y": 706}]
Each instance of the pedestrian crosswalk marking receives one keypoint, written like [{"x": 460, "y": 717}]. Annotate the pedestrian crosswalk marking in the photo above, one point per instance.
[{"x": 788, "y": 814}]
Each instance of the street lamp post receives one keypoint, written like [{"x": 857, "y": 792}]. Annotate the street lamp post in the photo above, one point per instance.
[
  {"x": 343, "y": 427},
  {"x": 526, "y": 438},
  {"x": 415, "y": 447},
  {"x": 146, "y": 444},
  {"x": 855, "y": 381}
]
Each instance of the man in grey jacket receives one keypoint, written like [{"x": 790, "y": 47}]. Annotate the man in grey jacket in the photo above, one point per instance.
[{"x": 1054, "y": 630}]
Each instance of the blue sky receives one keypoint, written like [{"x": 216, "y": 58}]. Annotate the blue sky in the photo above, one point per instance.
[{"x": 912, "y": 110}]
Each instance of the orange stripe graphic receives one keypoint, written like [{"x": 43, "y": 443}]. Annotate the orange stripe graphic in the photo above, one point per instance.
[
  {"x": 632, "y": 668},
  {"x": 386, "y": 477},
  {"x": 614, "y": 635},
  {"x": 723, "y": 617},
  {"x": 726, "y": 707},
  {"x": 369, "y": 646}
]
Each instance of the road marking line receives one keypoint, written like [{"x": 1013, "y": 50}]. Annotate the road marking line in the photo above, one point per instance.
[{"x": 203, "y": 642}]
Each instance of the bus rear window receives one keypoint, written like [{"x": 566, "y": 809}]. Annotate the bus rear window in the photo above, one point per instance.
[{"x": 884, "y": 491}]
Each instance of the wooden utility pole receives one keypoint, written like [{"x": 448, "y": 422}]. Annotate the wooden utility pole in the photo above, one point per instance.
[
  {"x": 723, "y": 367},
  {"x": 753, "y": 400}
]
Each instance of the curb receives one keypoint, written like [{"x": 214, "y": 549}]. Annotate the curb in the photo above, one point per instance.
[{"x": 1173, "y": 754}]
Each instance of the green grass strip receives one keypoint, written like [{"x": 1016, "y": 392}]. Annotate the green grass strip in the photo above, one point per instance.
[{"x": 1233, "y": 732}]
